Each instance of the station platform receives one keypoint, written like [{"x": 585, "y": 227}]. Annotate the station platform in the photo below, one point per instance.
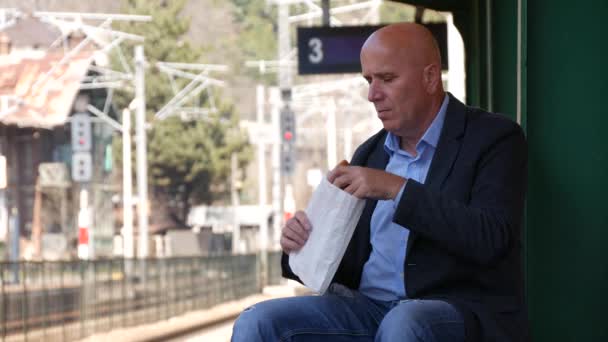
[{"x": 197, "y": 320}]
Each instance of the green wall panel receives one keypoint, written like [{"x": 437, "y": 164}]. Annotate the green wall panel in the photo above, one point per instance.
[
  {"x": 568, "y": 170},
  {"x": 564, "y": 101}
]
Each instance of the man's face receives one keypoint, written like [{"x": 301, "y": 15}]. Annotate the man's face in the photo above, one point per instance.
[{"x": 395, "y": 87}]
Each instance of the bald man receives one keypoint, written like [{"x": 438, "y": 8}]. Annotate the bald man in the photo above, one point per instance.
[{"x": 436, "y": 254}]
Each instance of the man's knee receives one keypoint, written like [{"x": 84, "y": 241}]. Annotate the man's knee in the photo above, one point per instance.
[
  {"x": 421, "y": 320},
  {"x": 250, "y": 325},
  {"x": 262, "y": 321},
  {"x": 401, "y": 323}
]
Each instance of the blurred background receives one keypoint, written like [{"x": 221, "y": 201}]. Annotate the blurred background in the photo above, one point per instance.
[{"x": 150, "y": 151}]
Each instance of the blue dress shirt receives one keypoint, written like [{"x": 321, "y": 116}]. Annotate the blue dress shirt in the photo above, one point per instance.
[{"x": 383, "y": 277}]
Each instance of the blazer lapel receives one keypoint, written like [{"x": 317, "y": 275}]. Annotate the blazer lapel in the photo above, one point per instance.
[
  {"x": 448, "y": 146},
  {"x": 446, "y": 152},
  {"x": 377, "y": 159}
]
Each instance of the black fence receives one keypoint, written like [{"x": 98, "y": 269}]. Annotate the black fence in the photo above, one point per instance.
[{"x": 69, "y": 300}]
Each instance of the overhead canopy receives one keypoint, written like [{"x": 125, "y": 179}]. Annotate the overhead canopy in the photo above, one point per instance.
[
  {"x": 439, "y": 5},
  {"x": 469, "y": 20},
  {"x": 460, "y": 8}
]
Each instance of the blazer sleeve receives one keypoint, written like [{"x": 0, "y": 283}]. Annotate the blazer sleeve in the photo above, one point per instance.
[{"x": 484, "y": 228}]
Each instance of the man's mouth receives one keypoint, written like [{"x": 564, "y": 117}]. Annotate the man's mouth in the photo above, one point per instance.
[{"x": 382, "y": 112}]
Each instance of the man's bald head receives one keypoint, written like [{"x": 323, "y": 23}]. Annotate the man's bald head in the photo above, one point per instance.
[
  {"x": 402, "y": 64},
  {"x": 412, "y": 41}
]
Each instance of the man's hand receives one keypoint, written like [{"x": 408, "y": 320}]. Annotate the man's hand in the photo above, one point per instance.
[
  {"x": 295, "y": 232},
  {"x": 364, "y": 182}
]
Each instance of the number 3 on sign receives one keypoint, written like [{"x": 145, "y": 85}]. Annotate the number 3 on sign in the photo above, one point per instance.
[{"x": 316, "y": 47}]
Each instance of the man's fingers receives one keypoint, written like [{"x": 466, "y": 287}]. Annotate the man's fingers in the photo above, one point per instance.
[
  {"x": 293, "y": 240},
  {"x": 301, "y": 217},
  {"x": 289, "y": 245},
  {"x": 331, "y": 176},
  {"x": 295, "y": 232},
  {"x": 351, "y": 189},
  {"x": 342, "y": 181}
]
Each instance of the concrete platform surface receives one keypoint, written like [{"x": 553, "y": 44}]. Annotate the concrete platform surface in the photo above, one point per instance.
[{"x": 196, "y": 320}]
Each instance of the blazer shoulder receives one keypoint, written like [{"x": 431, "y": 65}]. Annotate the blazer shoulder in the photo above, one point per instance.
[{"x": 492, "y": 125}]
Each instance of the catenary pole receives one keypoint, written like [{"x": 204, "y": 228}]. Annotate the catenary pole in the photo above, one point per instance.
[{"x": 141, "y": 152}]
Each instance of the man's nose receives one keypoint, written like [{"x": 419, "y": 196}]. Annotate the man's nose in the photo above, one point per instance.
[{"x": 373, "y": 94}]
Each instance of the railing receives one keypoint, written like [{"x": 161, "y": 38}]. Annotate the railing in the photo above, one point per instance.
[{"x": 69, "y": 300}]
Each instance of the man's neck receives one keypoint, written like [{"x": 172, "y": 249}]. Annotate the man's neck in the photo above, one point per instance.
[{"x": 408, "y": 143}]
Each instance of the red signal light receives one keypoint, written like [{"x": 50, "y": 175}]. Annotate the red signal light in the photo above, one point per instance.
[{"x": 288, "y": 135}]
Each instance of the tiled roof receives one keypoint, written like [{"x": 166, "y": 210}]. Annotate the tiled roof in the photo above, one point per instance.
[{"x": 38, "y": 100}]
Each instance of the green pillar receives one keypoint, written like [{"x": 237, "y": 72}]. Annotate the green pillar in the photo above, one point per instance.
[{"x": 568, "y": 170}]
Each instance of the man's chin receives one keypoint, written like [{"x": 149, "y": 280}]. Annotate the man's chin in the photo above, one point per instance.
[{"x": 389, "y": 126}]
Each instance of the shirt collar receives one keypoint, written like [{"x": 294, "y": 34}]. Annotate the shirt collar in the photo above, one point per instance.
[{"x": 431, "y": 136}]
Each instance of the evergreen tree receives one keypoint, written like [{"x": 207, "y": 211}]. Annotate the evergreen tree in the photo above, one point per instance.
[
  {"x": 257, "y": 39},
  {"x": 188, "y": 160}
]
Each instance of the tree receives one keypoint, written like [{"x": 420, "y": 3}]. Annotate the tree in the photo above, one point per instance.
[
  {"x": 188, "y": 161},
  {"x": 257, "y": 40}
]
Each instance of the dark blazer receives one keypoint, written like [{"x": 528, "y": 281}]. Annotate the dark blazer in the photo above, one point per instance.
[{"x": 465, "y": 222}]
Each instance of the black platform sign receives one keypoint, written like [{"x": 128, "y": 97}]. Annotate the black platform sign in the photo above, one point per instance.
[{"x": 335, "y": 50}]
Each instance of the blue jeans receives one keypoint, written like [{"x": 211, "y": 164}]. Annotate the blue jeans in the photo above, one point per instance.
[{"x": 346, "y": 315}]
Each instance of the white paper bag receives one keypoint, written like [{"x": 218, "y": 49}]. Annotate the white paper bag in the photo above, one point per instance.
[{"x": 333, "y": 214}]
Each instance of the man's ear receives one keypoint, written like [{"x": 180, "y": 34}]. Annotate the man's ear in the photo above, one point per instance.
[{"x": 432, "y": 78}]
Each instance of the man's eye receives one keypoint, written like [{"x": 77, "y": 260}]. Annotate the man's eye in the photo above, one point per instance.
[{"x": 388, "y": 79}]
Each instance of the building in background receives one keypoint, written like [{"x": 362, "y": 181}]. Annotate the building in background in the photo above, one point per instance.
[{"x": 38, "y": 95}]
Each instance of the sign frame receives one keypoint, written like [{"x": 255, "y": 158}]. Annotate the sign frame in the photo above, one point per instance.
[{"x": 335, "y": 50}]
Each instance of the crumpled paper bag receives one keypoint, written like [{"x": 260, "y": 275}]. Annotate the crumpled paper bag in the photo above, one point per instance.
[{"x": 333, "y": 214}]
